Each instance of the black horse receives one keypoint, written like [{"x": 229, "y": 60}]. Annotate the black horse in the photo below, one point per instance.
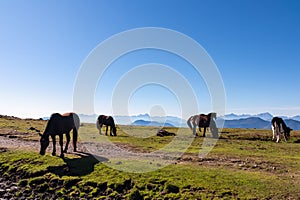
[
  {"x": 279, "y": 126},
  {"x": 204, "y": 121},
  {"x": 58, "y": 125},
  {"x": 109, "y": 122}
]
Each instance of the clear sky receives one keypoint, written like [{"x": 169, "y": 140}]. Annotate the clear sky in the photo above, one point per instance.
[{"x": 254, "y": 43}]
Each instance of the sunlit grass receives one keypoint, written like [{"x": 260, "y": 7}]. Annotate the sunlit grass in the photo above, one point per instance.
[{"x": 244, "y": 163}]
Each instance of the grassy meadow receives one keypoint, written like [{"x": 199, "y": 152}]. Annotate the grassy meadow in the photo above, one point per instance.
[{"x": 244, "y": 164}]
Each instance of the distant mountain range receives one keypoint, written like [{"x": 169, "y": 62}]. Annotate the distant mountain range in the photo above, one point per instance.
[
  {"x": 250, "y": 122},
  {"x": 255, "y": 122},
  {"x": 142, "y": 120},
  {"x": 259, "y": 121},
  {"x": 265, "y": 116},
  {"x": 151, "y": 123}
]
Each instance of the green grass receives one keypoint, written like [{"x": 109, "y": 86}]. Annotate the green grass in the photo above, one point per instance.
[
  {"x": 175, "y": 181},
  {"x": 244, "y": 164}
]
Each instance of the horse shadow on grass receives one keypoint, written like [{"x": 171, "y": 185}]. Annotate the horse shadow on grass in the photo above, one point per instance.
[{"x": 79, "y": 166}]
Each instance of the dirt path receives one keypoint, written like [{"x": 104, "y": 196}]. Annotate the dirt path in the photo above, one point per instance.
[{"x": 15, "y": 140}]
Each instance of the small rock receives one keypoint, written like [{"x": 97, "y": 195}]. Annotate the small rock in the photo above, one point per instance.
[
  {"x": 242, "y": 164},
  {"x": 13, "y": 188}
]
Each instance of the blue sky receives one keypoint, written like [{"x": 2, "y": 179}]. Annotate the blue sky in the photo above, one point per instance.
[{"x": 255, "y": 45}]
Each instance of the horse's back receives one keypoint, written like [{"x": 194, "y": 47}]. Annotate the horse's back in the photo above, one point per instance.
[
  {"x": 63, "y": 123},
  {"x": 106, "y": 120},
  {"x": 276, "y": 121}
]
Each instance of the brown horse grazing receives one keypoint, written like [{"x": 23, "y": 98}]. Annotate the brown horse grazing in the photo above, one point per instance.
[
  {"x": 279, "y": 126},
  {"x": 109, "y": 122},
  {"x": 58, "y": 125},
  {"x": 204, "y": 121}
]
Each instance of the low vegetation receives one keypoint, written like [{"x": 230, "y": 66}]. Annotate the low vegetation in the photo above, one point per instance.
[{"x": 244, "y": 164}]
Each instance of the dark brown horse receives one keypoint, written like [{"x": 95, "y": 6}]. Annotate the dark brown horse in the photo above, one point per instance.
[
  {"x": 109, "y": 122},
  {"x": 58, "y": 125},
  {"x": 204, "y": 121}
]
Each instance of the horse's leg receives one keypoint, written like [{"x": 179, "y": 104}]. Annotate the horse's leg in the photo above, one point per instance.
[
  {"x": 54, "y": 145},
  {"x": 194, "y": 128},
  {"x": 204, "y": 131},
  {"x": 106, "y": 130},
  {"x": 110, "y": 131},
  {"x": 75, "y": 135},
  {"x": 114, "y": 130},
  {"x": 283, "y": 132},
  {"x": 100, "y": 127},
  {"x": 61, "y": 145},
  {"x": 194, "y": 131},
  {"x": 273, "y": 130},
  {"x": 278, "y": 134},
  {"x": 68, "y": 141},
  {"x": 284, "y": 136}
]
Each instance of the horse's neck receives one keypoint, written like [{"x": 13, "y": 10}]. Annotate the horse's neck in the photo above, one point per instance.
[
  {"x": 46, "y": 134},
  {"x": 48, "y": 128},
  {"x": 284, "y": 127},
  {"x": 52, "y": 126}
]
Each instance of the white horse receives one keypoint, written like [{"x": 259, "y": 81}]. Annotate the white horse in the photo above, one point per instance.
[{"x": 278, "y": 127}]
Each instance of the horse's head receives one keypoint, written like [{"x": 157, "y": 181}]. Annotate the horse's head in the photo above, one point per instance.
[
  {"x": 44, "y": 143},
  {"x": 114, "y": 129}
]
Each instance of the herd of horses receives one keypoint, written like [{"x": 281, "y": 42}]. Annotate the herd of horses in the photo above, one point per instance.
[{"x": 63, "y": 124}]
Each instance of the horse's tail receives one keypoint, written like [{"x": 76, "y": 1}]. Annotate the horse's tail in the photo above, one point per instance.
[
  {"x": 98, "y": 123},
  {"x": 189, "y": 122},
  {"x": 75, "y": 130},
  {"x": 113, "y": 126}
]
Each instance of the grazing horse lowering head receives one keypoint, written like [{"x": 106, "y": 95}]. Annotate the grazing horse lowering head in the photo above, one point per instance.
[
  {"x": 60, "y": 125},
  {"x": 278, "y": 127},
  {"x": 205, "y": 121},
  {"x": 108, "y": 121},
  {"x": 44, "y": 143}
]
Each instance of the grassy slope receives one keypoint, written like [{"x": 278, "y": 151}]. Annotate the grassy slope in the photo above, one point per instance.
[{"x": 253, "y": 167}]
